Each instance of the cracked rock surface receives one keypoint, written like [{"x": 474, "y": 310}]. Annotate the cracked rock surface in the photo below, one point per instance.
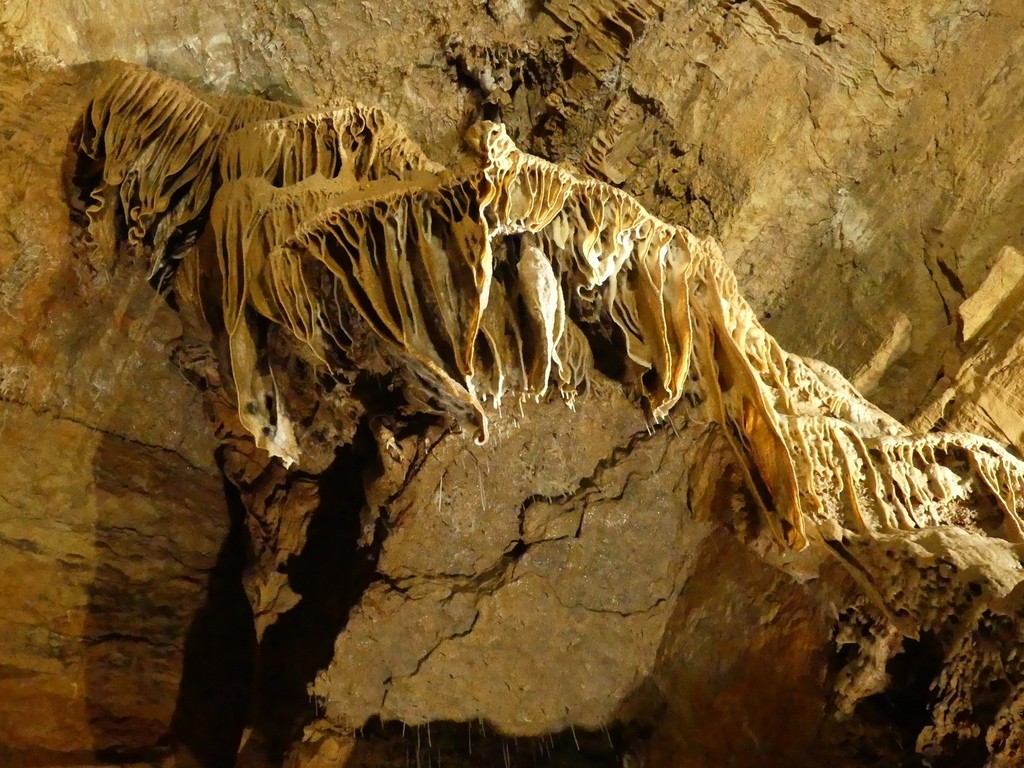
[
  {"x": 860, "y": 164},
  {"x": 568, "y": 591}
]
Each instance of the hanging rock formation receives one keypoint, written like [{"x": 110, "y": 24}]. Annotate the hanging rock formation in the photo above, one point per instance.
[
  {"x": 475, "y": 286},
  {"x": 678, "y": 544},
  {"x": 354, "y": 295}
]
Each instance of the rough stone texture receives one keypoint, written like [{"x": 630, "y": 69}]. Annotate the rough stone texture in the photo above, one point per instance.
[
  {"x": 978, "y": 389},
  {"x": 846, "y": 154},
  {"x": 707, "y": 678},
  {"x": 417, "y": 646},
  {"x": 861, "y": 165},
  {"x": 104, "y": 563},
  {"x": 778, "y": 128},
  {"x": 112, "y": 511}
]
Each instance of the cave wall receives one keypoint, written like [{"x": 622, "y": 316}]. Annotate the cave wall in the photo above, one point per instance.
[
  {"x": 858, "y": 162},
  {"x": 112, "y": 509},
  {"x": 844, "y": 154}
]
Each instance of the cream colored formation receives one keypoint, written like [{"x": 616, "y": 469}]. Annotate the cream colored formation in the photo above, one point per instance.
[{"x": 500, "y": 279}]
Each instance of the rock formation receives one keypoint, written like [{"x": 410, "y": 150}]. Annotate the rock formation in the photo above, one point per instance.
[{"x": 665, "y": 522}]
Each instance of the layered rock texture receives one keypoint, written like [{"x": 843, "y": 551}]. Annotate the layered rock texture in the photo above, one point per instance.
[{"x": 399, "y": 384}]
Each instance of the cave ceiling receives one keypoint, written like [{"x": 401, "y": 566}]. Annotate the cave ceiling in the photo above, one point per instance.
[{"x": 512, "y": 383}]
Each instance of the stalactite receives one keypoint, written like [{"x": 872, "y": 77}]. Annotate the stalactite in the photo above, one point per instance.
[{"x": 489, "y": 281}]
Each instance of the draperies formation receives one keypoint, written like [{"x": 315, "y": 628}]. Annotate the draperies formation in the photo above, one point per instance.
[{"x": 506, "y": 277}]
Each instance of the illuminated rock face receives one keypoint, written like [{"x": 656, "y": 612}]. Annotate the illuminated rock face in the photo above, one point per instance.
[
  {"x": 488, "y": 283},
  {"x": 322, "y": 256},
  {"x": 859, "y": 166}
]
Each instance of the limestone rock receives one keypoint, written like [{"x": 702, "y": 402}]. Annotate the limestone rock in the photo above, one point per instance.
[
  {"x": 860, "y": 167},
  {"x": 112, "y": 510}
]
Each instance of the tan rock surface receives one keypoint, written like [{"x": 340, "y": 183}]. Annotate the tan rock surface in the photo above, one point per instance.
[
  {"x": 590, "y": 619},
  {"x": 859, "y": 163},
  {"x": 111, "y": 507}
]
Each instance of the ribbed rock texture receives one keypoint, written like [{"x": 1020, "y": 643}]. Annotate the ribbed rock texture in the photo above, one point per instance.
[{"x": 585, "y": 569}]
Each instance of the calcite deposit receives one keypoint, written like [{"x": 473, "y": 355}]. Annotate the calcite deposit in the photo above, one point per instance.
[{"x": 433, "y": 423}]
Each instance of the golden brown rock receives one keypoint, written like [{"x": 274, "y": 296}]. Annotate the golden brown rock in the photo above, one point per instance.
[
  {"x": 859, "y": 165},
  {"x": 112, "y": 510}
]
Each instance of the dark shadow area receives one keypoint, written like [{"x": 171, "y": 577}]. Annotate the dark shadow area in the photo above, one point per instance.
[
  {"x": 471, "y": 745},
  {"x": 906, "y": 703},
  {"x": 158, "y": 522},
  {"x": 220, "y": 648},
  {"x": 330, "y": 575},
  {"x": 891, "y": 721}
]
